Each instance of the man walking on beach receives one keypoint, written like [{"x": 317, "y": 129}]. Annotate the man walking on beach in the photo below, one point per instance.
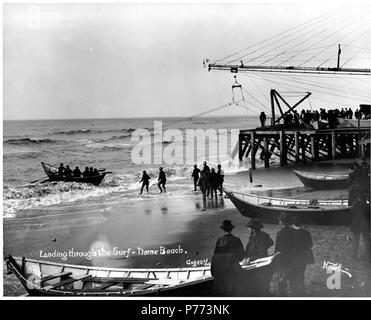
[
  {"x": 225, "y": 267},
  {"x": 213, "y": 183},
  {"x": 195, "y": 175},
  {"x": 202, "y": 183},
  {"x": 220, "y": 174},
  {"x": 145, "y": 180},
  {"x": 161, "y": 180}
]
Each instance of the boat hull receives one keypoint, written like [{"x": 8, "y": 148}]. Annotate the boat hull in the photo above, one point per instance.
[
  {"x": 182, "y": 282},
  {"x": 53, "y": 176},
  {"x": 307, "y": 216},
  {"x": 322, "y": 184}
]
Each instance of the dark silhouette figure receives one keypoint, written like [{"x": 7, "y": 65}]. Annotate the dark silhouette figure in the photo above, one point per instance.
[
  {"x": 145, "y": 181},
  {"x": 162, "y": 180},
  {"x": 61, "y": 170},
  {"x": 195, "y": 175},
  {"x": 262, "y": 119},
  {"x": 76, "y": 172},
  {"x": 225, "y": 266}
]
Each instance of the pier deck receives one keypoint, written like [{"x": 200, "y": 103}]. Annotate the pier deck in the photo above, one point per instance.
[{"x": 301, "y": 145}]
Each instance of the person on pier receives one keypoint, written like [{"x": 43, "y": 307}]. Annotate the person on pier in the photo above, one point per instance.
[
  {"x": 195, "y": 175},
  {"x": 162, "y": 180},
  {"x": 262, "y": 119},
  {"x": 145, "y": 181},
  {"x": 225, "y": 267}
]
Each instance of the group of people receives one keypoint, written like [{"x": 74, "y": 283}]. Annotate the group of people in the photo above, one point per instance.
[
  {"x": 293, "y": 243},
  {"x": 161, "y": 181},
  {"x": 359, "y": 200},
  {"x": 294, "y": 119},
  {"x": 76, "y": 173},
  {"x": 210, "y": 181}
]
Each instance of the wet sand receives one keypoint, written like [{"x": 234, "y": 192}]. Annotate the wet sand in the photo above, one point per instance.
[{"x": 167, "y": 222}]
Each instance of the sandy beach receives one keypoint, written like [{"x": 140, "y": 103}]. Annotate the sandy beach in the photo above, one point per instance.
[{"x": 166, "y": 230}]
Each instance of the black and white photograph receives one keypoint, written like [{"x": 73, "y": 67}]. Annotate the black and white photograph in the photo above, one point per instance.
[{"x": 186, "y": 149}]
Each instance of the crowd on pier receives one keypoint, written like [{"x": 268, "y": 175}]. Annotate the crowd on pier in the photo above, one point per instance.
[{"x": 328, "y": 117}]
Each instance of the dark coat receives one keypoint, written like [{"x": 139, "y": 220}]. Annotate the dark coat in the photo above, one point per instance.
[
  {"x": 225, "y": 266},
  {"x": 302, "y": 247},
  {"x": 258, "y": 245},
  {"x": 284, "y": 241},
  {"x": 196, "y": 173},
  {"x": 145, "y": 179},
  {"x": 360, "y": 214}
]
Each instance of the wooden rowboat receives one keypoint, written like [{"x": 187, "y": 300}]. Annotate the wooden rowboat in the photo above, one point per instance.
[
  {"x": 52, "y": 173},
  {"x": 42, "y": 278},
  {"x": 321, "y": 181},
  {"x": 311, "y": 212}
]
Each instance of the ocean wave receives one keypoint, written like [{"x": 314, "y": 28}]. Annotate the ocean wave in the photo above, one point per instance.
[
  {"x": 84, "y": 131},
  {"x": 72, "y": 132},
  {"x": 27, "y": 141}
]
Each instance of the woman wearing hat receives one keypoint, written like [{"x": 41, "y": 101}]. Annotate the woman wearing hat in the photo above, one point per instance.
[
  {"x": 259, "y": 241},
  {"x": 225, "y": 265}
]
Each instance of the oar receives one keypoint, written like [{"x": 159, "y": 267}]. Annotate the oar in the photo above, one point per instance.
[{"x": 39, "y": 179}]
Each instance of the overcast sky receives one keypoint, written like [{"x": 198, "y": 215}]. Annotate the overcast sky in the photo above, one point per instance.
[{"x": 132, "y": 60}]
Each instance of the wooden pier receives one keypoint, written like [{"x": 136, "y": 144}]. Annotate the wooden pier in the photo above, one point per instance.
[{"x": 301, "y": 145}]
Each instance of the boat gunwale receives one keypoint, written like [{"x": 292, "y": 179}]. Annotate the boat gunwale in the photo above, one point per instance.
[
  {"x": 341, "y": 203},
  {"x": 311, "y": 175}
]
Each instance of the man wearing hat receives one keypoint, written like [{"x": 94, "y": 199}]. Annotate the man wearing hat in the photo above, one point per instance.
[
  {"x": 303, "y": 255},
  {"x": 284, "y": 245},
  {"x": 225, "y": 266},
  {"x": 259, "y": 241}
]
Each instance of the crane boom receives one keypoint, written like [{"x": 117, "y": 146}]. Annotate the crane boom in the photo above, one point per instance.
[{"x": 234, "y": 68}]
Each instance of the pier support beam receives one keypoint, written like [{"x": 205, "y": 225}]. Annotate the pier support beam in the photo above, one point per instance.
[
  {"x": 253, "y": 150},
  {"x": 297, "y": 147},
  {"x": 333, "y": 145},
  {"x": 266, "y": 152},
  {"x": 283, "y": 149},
  {"x": 314, "y": 148}
]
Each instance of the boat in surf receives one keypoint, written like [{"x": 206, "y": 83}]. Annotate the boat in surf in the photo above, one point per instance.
[
  {"x": 52, "y": 173},
  {"x": 309, "y": 212},
  {"x": 322, "y": 181},
  {"x": 42, "y": 278}
]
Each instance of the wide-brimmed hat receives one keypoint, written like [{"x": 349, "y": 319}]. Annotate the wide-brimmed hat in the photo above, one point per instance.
[
  {"x": 255, "y": 224},
  {"x": 227, "y": 225}
]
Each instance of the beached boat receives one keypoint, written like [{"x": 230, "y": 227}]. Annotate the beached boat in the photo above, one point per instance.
[
  {"x": 52, "y": 173},
  {"x": 42, "y": 278},
  {"x": 311, "y": 212},
  {"x": 321, "y": 181}
]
